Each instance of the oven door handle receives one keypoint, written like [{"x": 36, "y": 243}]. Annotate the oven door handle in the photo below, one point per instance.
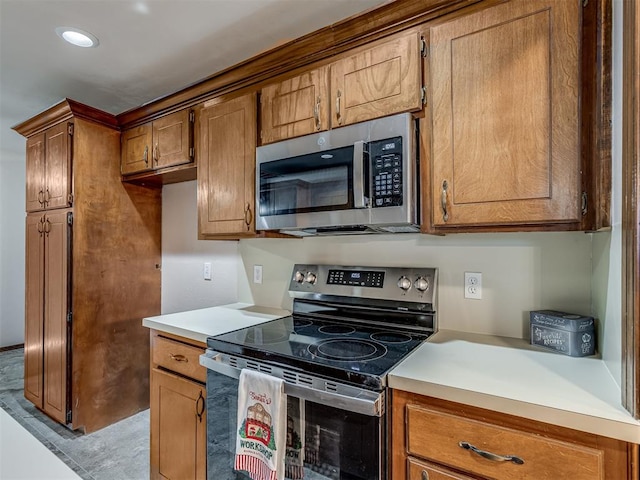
[
  {"x": 365, "y": 402},
  {"x": 359, "y": 199}
]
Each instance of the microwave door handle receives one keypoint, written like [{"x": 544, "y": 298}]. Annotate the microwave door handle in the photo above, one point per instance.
[{"x": 359, "y": 200}]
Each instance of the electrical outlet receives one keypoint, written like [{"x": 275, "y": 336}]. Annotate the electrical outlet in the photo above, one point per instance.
[
  {"x": 257, "y": 274},
  {"x": 473, "y": 285},
  {"x": 206, "y": 271}
]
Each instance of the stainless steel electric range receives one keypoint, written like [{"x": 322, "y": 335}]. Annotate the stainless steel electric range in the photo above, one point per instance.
[{"x": 350, "y": 326}]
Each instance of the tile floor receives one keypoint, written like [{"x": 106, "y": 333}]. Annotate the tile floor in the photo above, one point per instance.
[{"x": 29, "y": 439}]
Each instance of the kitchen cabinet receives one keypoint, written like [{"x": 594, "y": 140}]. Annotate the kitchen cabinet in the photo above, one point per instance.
[
  {"x": 159, "y": 145},
  {"x": 295, "y": 106},
  {"x": 381, "y": 80},
  {"x": 371, "y": 82},
  {"x": 92, "y": 274},
  {"x": 226, "y": 171},
  {"x": 178, "y": 409},
  {"x": 48, "y": 169},
  {"x": 47, "y": 267},
  {"x": 503, "y": 103},
  {"x": 462, "y": 442}
]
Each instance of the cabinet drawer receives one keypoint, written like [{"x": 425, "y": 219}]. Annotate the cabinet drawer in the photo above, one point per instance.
[
  {"x": 426, "y": 471},
  {"x": 438, "y": 436},
  {"x": 178, "y": 357}
]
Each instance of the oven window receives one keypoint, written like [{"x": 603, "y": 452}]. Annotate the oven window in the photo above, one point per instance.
[
  {"x": 307, "y": 183},
  {"x": 338, "y": 445}
]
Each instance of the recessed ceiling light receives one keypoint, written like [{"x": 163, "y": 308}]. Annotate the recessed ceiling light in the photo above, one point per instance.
[{"x": 77, "y": 37}]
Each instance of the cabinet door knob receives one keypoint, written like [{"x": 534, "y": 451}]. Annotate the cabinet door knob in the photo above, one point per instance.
[
  {"x": 425, "y": 475},
  {"x": 491, "y": 456},
  {"x": 316, "y": 113},
  {"x": 248, "y": 216},
  {"x": 443, "y": 201},
  {"x": 178, "y": 358},
  {"x": 200, "y": 404}
]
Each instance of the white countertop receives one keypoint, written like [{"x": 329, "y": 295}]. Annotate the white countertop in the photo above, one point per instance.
[
  {"x": 510, "y": 376},
  {"x": 206, "y": 322},
  {"x": 501, "y": 374}
]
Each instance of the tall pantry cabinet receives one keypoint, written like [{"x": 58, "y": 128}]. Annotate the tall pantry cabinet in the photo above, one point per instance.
[{"x": 92, "y": 270}]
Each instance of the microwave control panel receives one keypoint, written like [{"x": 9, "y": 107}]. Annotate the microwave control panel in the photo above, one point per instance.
[{"x": 386, "y": 166}]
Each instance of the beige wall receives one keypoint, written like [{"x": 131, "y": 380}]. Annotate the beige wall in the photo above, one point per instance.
[{"x": 520, "y": 272}]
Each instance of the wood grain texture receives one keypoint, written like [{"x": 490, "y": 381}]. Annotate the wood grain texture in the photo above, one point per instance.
[
  {"x": 311, "y": 50},
  {"x": 433, "y": 472},
  {"x": 507, "y": 147},
  {"x": 34, "y": 305},
  {"x": 614, "y": 457},
  {"x": 226, "y": 167},
  {"x": 178, "y": 357},
  {"x": 57, "y": 178},
  {"x": 383, "y": 79},
  {"x": 630, "y": 209},
  {"x": 295, "y": 106},
  {"x": 60, "y": 112},
  {"x": 136, "y": 152},
  {"x": 35, "y": 171},
  {"x": 57, "y": 260},
  {"x": 595, "y": 112},
  {"x": 116, "y": 281},
  {"x": 178, "y": 435},
  {"x": 172, "y": 139}
]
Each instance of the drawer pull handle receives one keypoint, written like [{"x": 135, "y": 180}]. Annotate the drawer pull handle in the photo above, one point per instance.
[
  {"x": 425, "y": 475},
  {"x": 491, "y": 456},
  {"x": 178, "y": 358},
  {"x": 200, "y": 407}
]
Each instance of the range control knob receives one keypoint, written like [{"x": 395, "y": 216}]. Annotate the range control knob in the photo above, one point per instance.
[
  {"x": 311, "y": 278},
  {"x": 298, "y": 277},
  {"x": 421, "y": 284},
  {"x": 404, "y": 283}
]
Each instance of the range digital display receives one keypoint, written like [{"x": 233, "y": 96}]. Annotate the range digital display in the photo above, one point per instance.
[{"x": 356, "y": 278}]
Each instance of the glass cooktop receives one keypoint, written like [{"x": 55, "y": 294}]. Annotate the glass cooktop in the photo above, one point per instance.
[{"x": 350, "y": 352}]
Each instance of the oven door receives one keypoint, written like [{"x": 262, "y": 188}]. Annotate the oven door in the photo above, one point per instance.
[{"x": 344, "y": 437}]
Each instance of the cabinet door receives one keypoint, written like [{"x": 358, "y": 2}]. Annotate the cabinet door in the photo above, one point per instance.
[
  {"x": 172, "y": 139},
  {"x": 178, "y": 428},
  {"x": 226, "y": 167},
  {"x": 294, "y": 107},
  {"x": 136, "y": 155},
  {"x": 380, "y": 81},
  {"x": 56, "y": 276},
  {"x": 505, "y": 117},
  {"x": 58, "y": 166},
  {"x": 35, "y": 173},
  {"x": 428, "y": 471},
  {"x": 34, "y": 298}
]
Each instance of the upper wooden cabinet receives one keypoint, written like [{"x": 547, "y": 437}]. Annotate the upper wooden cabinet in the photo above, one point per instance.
[
  {"x": 380, "y": 80},
  {"x": 48, "y": 169},
  {"x": 504, "y": 86},
  {"x": 226, "y": 171},
  {"x": 165, "y": 142},
  {"x": 296, "y": 106}
]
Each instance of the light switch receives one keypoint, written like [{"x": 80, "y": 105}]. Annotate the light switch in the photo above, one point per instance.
[
  {"x": 257, "y": 274},
  {"x": 206, "y": 271}
]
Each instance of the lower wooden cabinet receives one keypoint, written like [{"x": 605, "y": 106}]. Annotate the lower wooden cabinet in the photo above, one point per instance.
[
  {"x": 437, "y": 440},
  {"x": 178, "y": 410}
]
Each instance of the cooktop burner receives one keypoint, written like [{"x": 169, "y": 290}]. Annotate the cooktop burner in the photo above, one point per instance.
[{"x": 353, "y": 352}]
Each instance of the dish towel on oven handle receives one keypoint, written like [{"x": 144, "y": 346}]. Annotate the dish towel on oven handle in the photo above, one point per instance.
[{"x": 260, "y": 442}]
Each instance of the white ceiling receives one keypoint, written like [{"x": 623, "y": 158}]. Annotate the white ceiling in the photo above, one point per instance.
[{"x": 148, "y": 48}]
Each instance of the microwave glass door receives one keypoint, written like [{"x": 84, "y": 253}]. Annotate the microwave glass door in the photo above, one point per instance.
[{"x": 314, "y": 182}]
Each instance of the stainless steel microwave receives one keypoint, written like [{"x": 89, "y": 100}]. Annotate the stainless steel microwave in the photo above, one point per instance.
[{"x": 362, "y": 178}]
